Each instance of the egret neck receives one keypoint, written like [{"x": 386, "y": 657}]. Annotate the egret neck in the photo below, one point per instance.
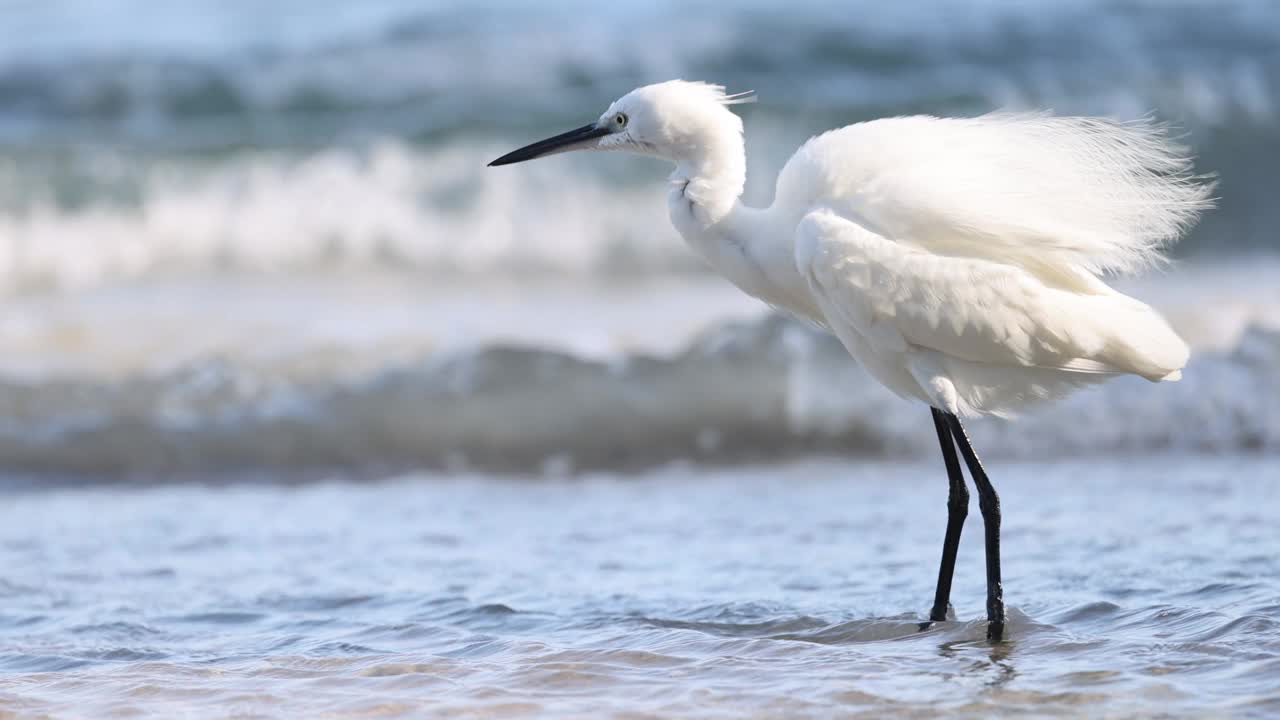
[{"x": 749, "y": 246}]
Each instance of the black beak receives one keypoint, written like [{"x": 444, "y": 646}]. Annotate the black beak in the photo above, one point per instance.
[{"x": 559, "y": 143}]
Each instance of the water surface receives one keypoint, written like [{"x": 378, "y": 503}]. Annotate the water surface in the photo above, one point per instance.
[{"x": 1137, "y": 586}]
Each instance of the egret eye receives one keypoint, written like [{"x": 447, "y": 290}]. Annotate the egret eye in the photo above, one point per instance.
[{"x": 620, "y": 120}]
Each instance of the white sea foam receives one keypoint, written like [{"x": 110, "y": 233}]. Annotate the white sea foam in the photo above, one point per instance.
[{"x": 386, "y": 205}]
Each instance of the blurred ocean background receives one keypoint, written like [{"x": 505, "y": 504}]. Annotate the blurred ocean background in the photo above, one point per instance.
[
  {"x": 248, "y": 241},
  {"x": 247, "y": 236}
]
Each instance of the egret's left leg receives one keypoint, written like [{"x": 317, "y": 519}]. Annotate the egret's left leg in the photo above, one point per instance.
[
  {"x": 989, "y": 503},
  {"x": 957, "y": 509}
]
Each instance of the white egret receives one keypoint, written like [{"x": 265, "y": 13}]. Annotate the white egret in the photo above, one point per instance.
[{"x": 959, "y": 260}]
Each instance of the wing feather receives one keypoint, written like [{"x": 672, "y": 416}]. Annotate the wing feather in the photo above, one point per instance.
[{"x": 895, "y": 296}]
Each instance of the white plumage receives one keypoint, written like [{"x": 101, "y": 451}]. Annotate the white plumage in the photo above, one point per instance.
[
  {"x": 971, "y": 335},
  {"x": 959, "y": 260}
]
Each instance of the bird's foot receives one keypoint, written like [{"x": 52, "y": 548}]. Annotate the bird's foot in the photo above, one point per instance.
[
  {"x": 935, "y": 616},
  {"x": 995, "y": 631}
]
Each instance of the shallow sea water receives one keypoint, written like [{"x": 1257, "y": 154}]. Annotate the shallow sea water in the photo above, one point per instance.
[{"x": 1137, "y": 586}]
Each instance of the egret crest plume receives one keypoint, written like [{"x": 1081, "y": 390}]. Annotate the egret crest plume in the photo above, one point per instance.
[{"x": 739, "y": 98}]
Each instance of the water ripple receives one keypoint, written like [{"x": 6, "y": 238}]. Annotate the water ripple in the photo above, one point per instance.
[{"x": 684, "y": 610}]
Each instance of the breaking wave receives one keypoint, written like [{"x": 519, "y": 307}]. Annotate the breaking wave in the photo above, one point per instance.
[
  {"x": 385, "y": 205},
  {"x": 435, "y": 211},
  {"x": 360, "y": 138},
  {"x": 756, "y": 390}
]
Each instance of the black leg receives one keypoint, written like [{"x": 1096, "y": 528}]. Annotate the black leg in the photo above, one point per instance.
[
  {"x": 957, "y": 509},
  {"x": 989, "y": 503}
]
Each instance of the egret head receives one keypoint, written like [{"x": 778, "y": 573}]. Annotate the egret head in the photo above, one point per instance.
[{"x": 675, "y": 120}]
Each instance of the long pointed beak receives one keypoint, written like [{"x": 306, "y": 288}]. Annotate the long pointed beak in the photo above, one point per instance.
[{"x": 572, "y": 140}]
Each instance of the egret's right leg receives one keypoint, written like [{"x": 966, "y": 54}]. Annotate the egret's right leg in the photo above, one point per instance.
[
  {"x": 957, "y": 509},
  {"x": 989, "y": 503}
]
